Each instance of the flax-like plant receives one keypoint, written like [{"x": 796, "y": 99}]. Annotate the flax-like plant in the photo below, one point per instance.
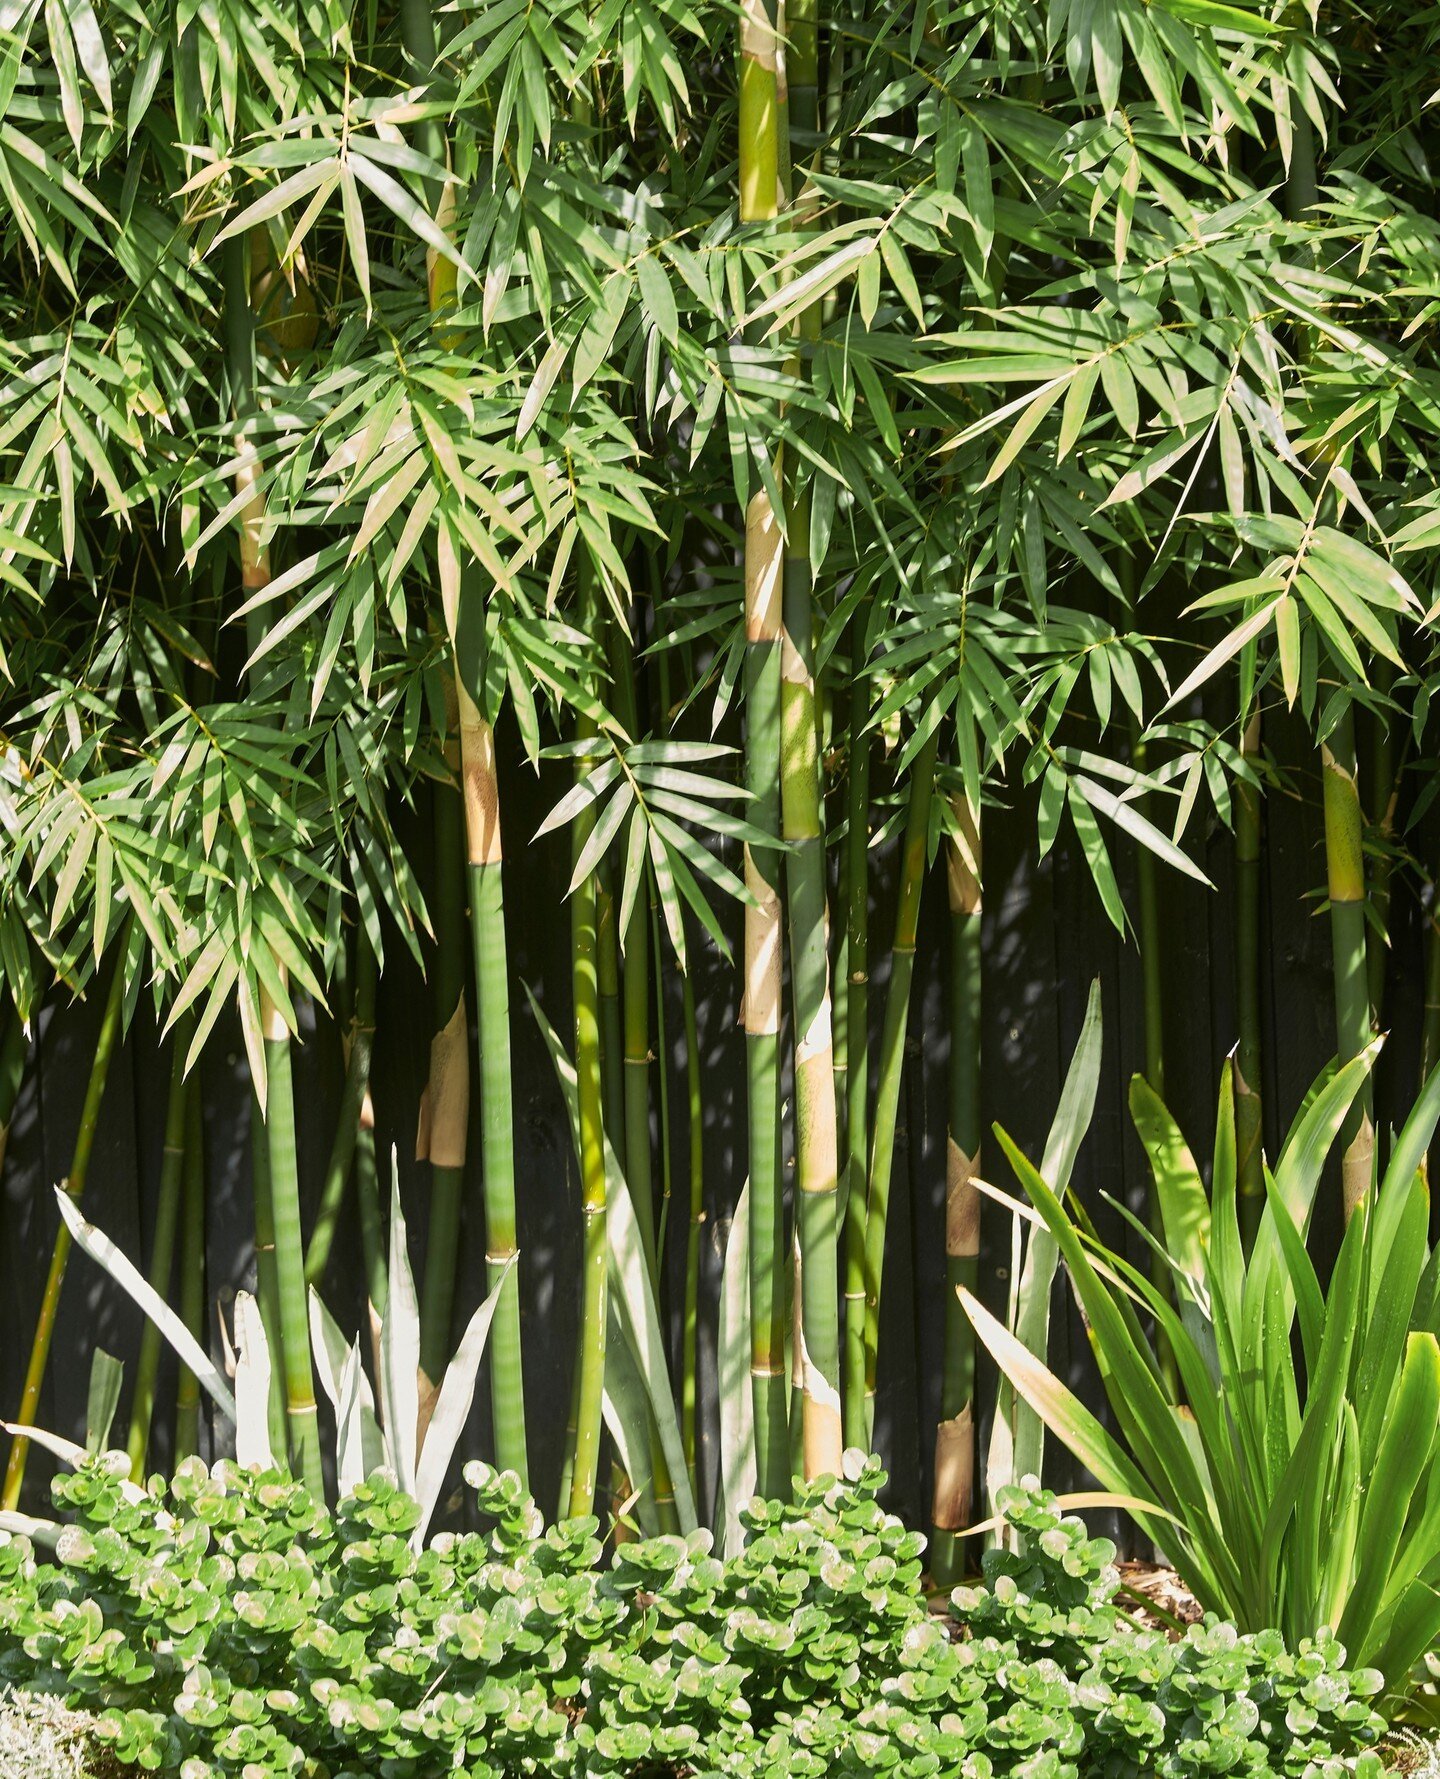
[{"x": 1291, "y": 1495}]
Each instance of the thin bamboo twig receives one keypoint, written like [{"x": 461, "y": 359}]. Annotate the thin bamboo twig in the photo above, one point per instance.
[
  {"x": 913, "y": 857},
  {"x": 690, "y": 1337},
  {"x": 192, "y": 1270},
  {"x": 14, "y": 1052},
  {"x": 74, "y": 1185},
  {"x": 162, "y": 1251},
  {"x": 359, "y": 1046}
]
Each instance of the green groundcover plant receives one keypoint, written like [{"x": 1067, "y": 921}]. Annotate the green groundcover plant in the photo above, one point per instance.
[{"x": 229, "y": 1623}]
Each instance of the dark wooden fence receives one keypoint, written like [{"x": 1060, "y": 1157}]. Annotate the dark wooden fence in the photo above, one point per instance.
[{"x": 1046, "y": 937}]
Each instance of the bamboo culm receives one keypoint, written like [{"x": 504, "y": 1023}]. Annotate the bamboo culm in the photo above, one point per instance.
[
  {"x": 817, "y": 1161},
  {"x": 1345, "y": 875},
  {"x": 1386, "y": 762},
  {"x": 913, "y": 856},
  {"x": 857, "y": 1050},
  {"x": 267, "y": 1281},
  {"x": 1249, "y": 1107},
  {"x": 816, "y": 1141},
  {"x": 74, "y": 1185},
  {"x": 955, "y": 1435},
  {"x": 445, "y": 1114},
  {"x": 293, "y": 1296},
  {"x": 1430, "y": 1024},
  {"x": 485, "y": 855},
  {"x": 759, "y": 202}
]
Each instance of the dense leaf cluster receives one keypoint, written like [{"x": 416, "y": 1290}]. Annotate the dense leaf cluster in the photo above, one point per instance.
[{"x": 228, "y": 1623}]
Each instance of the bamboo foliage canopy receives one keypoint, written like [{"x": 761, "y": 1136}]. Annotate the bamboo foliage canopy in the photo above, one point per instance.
[{"x": 336, "y": 368}]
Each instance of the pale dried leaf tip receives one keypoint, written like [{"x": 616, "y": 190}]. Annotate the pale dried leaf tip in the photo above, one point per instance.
[
  {"x": 764, "y": 560},
  {"x": 482, "y": 787},
  {"x": 758, "y": 38},
  {"x": 962, "y": 1202},
  {"x": 761, "y": 1006},
  {"x": 954, "y": 1472},
  {"x": 448, "y": 1090}
]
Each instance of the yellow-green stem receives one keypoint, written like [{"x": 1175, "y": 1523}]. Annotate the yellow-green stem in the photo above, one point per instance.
[
  {"x": 162, "y": 1252},
  {"x": 1345, "y": 874},
  {"x": 74, "y": 1185}
]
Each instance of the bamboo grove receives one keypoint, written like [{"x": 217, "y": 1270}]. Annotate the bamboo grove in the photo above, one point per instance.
[{"x": 801, "y": 433}]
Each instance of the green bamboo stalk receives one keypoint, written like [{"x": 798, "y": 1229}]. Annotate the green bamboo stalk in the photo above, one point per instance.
[
  {"x": 1385, "y": 764},
  {"x": 359, "y": 1044},
  {"x": 690, "y": 1339},
  {"x": 372, "y": 1228},
  {"x": 162, "y": 1252},
  {"x": 584, "y": 939},
  {"x": 192, "y": 1271},
  {"x": 14, "y": 1050},
  {"x": 1249, "y": 1109},
  {"x": 74, "y": 1185},
  {"x": 497, "y": 1130},
  {"x": 445, "y": 1116},
  {"x": 816, "y": 1134},
  {"x": 267, "y": 1278},
  {"x": 1345, "y": 872},
  {"x": 638, "y": 1175},
  {"x": 254, "y": 577},
  {"x": 1430, "y": 1024},
  {"x": 913, "y": 856},
  {"x": 759, "y": 202},
  {"x": 612, "y": 1044},
  {"x": 445, "y": 1110},
  {"x": 661, "y": 1050},
  {"x": 572, "y": 1425},
  {"x": 293, "y": 1305},
  {"x": 816, "y": 1150},
  {"x": 954, "y": 1489},
  {"x": 857, "y": 1058}
]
